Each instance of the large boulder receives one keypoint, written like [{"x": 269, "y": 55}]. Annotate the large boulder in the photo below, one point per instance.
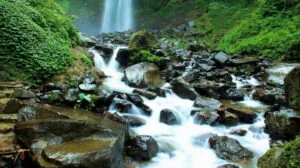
[
  {"x": 123, "y": 56},
  {"x": 23, "y": 94},
  {"x": 207, "y": 103},
  {"x": 142, "y": 40},
  {"x": 142, "y": 147},
  {"x": 183, "y": 89},
  {"x": 282, "y": 156},
  {"x": 104, "y": 153},
  {"x": 221, "y": 58},
  {"x": 292, "y": 88},
  {"x": 168, "y": 117},
  {"x": 283, "y": 124},
  {"x": 143, "y": 75},
  {"x": 229, "y": 149}
]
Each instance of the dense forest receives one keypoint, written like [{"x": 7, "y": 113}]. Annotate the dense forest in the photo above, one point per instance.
[{"x": 150, "y": 83}]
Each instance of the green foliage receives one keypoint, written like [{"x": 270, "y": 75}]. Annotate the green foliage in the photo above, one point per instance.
[
  {"x": 272, "y": 36},
  {"x": 35, "y": 39},
  {"x": 54, "y": 97},
  {"x": 146, "y": 56},
  {"x": 286, "y": 156}
]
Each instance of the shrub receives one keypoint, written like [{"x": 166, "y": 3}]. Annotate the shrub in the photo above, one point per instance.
[
  {"x": 35, "y": 39},
  {"x": 146, "y": 56}
]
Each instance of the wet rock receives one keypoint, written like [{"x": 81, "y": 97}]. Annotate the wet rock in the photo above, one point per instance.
[
  {"x": 192, "y": 76},
  {"x": 183, "y": 89},
  {"x": 228, "y": 166},
  {"x": 168, "y": 117},
  {"x": 136, "y": 99},
  {"x": 134, "y": 121},
  {"x": 12, "y": 107},
  {"x": 292, "y": 88},
  {"x": 270, "y": 96},
  {"x": 205, "y": 67},
  {"x": 87, "y": 153},
  {"x": 207, "y": 103},
  {"x": 221, "y": 58},
  {"x": 105, "y": 50},
  {"x": 71, "y": 96},
  {"x": 206, "y": 117},
  {"x": 147, "y": 110},
  {"x": 123, "y": 56},
  {"x": 244, "y": 60},
  {"x": 240, "y": 132},
  {"x": 245, "y": 114},
  {"x": 87, "y": 40},
  {"x": 160, "y": 92},
  {"x": 23, "y": 94},
  {"x": 182, "y": 54},
  {"x": 178, "y": 66},
  {"x": 235, "y": 95},
  {"x": 147, "y": 94},
  {"x": 53, "y": 96},
  {"x": 229, "y": 119},
  {"x": 122, "y": 105},
  {"x": 8, "y": 118},
  {"x": 142, "y": 147},
  {"x": 229, "y": 149},
  {"x": 283, "y": 124},
  {"x": 143, "y": 75},
  {"x": 88, "y": 87},
  {"x": 275, "y": 74},
  {"x": 88, "y": 80}
]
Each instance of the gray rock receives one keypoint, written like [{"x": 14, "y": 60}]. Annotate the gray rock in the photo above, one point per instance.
[
  {"x": 292, "y": 88},
  {"x": 134, "y": 121},
  {"x": 183, "y": 89},
  {"x": 283, "y": 124},
  {"x": 168, "y": 117},
  {"x": 142, "y": 147},
  {"x": 123, "y": 56},
  {"x": 207, "y": 103},
  {"x": 221, "y": 58},
  {"x": 229, "y": 149},
  {"x": 143, "y": 75},
  {"x": 233, "y": 94},
  {"x": 206, "y": 117},
  {"x": 275, "y": 74},
  {"x": 147, "y": 94},
  {"x": 88, "y": 87},
  {"x": 20, "y": 93}
]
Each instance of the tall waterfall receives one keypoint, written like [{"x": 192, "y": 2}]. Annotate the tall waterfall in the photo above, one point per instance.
[{"x": 117, "y": 16}]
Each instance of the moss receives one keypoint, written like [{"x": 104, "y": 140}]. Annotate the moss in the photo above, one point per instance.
[
  {"x": 284, "y": 156},
  {"x": 146, "y": 56},
  {"x": 54, "y": 97},
  {"x": 141, "y": 40},
  {"x": 35, "y": 39}
]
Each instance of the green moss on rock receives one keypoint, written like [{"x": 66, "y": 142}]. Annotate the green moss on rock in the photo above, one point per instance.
[
  {"x": 146, "y": 56},
  {"x": 142, "y": 40},
  {"x": 35, "y": 39},
  {"x": 284, "y": 156}
]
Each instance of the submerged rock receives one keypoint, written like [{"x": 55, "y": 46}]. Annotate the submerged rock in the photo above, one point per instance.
[
  {"x": 143, "y": 75},
  {"x": 147, "y": 94},
  {"x": 142, "y": 147},
  {"x": 168, "y": 117},
  {"x": 229, "y": 149},
  {"x": 183, "y": 89},
  {"x": 206, "y": 117}
]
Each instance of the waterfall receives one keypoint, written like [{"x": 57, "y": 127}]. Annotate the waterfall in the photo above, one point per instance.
[{"x": 117, "y": 16}]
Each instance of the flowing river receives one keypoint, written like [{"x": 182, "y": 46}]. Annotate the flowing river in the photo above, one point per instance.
[{"x": 185, "y": 145}]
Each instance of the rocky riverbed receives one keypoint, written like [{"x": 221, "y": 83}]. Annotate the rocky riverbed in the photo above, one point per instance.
[{"x": 101, "y": 121}]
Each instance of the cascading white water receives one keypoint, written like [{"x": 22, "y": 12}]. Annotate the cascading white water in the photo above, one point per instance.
[
  {"x": 185, "y": 145},
  {"x": 98, "y": 60},
  {"x": 117, "y": 16}
]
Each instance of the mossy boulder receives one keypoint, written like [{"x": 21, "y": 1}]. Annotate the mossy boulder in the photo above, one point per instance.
[
  {"x": 35, "y": 39},
  {"x": 147, "y": 56},
  {"x": 141, "y": 40},
  {"x": 292, "y": 88},
  {"x": 282, "y": 156}
]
